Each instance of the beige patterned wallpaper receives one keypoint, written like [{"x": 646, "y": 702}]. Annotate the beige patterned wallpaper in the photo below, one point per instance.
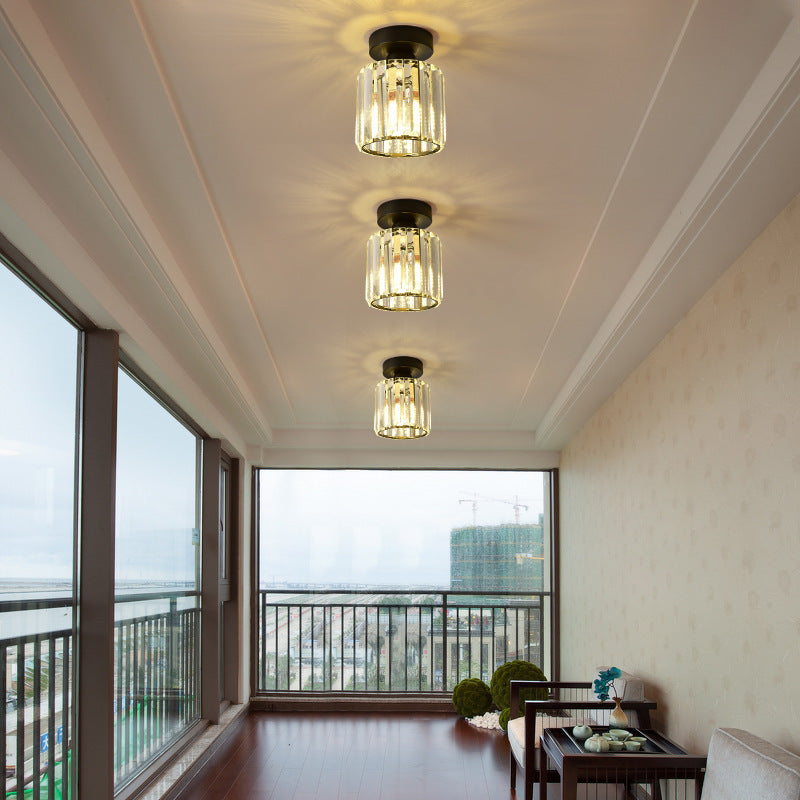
[{"x": 680, "y": 511}]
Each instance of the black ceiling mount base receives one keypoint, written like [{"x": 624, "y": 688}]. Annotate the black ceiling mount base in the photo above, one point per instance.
[
  {"x": 402, "y": 367},
  {"x": 405, "y": 213},
  {"x": 401, "y": 41}
]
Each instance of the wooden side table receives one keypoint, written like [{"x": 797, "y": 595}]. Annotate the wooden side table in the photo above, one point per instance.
[{"x": 661, "y": 759}]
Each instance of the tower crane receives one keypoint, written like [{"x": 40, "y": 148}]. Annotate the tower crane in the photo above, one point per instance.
[{"x": 474, "y": 497}]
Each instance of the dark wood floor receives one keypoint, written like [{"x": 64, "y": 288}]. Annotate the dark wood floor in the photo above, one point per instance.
[{"x": 355, "y": 756}]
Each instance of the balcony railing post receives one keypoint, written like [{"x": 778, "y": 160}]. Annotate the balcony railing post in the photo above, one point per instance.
[
  {"x": 37, "y": 714},
  {"x": 405, "y": 641},
  {"x": 457, "y": 610},
  {"x": 377, "y": 647},
  {"x": 172, "y": 643},
  {"x": 21, "y": 693},
  {"x": 311, "y": 614},
  {"x": 481, "y": 617},
  {"x": 528, "y": 634},
  {"x": 66, "y": 716},
  {"x": 388, "y": 643},
  {"x": 3, "y": 678},
  {"x": 444, "y": 641},
  {"x": 288, "y": 649},
  {"x": 505, "y": 634},
  {"x": 341, "y": 649},
  {"x": 469, "y": 643}
]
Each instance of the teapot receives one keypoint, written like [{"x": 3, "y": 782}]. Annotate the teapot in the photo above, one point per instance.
[
  {"x": 596, "y": 744},
  {"x": 582, "y": 731}
]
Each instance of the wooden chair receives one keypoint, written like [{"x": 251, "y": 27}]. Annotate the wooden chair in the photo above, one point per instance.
[{"x": 568, "y": 703}]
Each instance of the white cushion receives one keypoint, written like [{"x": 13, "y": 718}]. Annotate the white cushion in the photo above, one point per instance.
[
  {"x": 741, "y": 766},
  {"x": 516, "y": 738},
  {"x": 516, "y": 732}
]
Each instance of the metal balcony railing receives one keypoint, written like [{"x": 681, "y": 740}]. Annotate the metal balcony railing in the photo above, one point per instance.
[
  {"x": 392, "y": 641},
  {"x": 156, "y": 680},
  {"x": 34, "y": 727},
  {"x": 155, "y": 685}
]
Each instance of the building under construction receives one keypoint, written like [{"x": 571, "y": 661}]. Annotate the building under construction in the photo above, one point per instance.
[{"x": 506, "y": 557}]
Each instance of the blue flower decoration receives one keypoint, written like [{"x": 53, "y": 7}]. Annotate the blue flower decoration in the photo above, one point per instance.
[{"x": 605, "y": 681}]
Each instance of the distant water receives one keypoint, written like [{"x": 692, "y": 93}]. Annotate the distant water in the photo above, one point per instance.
[{"x": 46, "y": 620}]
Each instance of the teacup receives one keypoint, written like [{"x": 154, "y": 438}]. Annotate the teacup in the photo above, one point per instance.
[
  {"x": 615, "y": 745},
  {"x": 632, "y": 746},
  {"x": 640, "y": 739},
  {"x": 619, "y": 733}
]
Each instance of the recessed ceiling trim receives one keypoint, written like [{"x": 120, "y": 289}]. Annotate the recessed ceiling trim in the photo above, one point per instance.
[
  {"x": 31, "y": 74},
  {"x": 51, "y": 246},
  {"x": 771, "y": 106},
  {"x": 212, "y": 203},
  {"x": 420, "y": 459},
  {"x": 463, "y": 449},
  {"x": 609, "y": 200}
]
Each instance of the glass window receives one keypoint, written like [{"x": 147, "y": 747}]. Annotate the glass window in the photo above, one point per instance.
[
  {"x": 38, "y": 410},
  {"x": 156, "y": 576},
  {"x": 391, "y": 528},
  {"x": 367, "y": 575}
]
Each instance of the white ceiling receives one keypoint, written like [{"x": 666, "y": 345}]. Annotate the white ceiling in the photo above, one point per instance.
[{"x": 185, "y": 170}]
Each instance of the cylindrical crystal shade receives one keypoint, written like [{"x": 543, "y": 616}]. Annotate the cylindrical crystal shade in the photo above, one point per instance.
[
  {"x": 402, "y": 408},
  {"x": 404, "y": 270},
  {"x": 400, "y": 108}
]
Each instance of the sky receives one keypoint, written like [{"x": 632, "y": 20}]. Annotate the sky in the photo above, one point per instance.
[
  {"x": 380, "y": 527},
  {"x": 156, "y": 490},
  {"x": 38, "y": 358},
  {"x": 156, "y": 457}
]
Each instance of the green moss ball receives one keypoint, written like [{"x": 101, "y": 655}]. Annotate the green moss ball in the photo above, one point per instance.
[
  {"x": 472, "y": 697},
  {"x": 516, "y": 671},
  {"x": 504, "y": 715}
]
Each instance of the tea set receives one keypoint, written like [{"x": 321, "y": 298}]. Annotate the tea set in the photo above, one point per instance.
[{"x": 615, "y": 740}]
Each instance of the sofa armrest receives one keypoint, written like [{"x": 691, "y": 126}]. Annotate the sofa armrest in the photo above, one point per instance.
[{"x": 742, "y": 765}]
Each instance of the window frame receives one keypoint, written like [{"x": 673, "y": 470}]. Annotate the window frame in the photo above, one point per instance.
[
  {"x": 24, "y": 270},
  {"x": 551, "y": 523},
  {"x": 92, "y": 711},
  {"x": 132, "y": 782}
]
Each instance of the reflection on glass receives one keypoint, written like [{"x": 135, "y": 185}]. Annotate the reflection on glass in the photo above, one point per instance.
[
  {"x": 400, "y": 580},
  {"x": 157, "y": 613},
  {"x": 38, "y": 351}
]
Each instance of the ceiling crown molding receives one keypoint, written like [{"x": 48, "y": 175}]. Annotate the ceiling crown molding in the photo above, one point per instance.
[
  {"x": 46, "y": 80},
  {"x": 728, "y": 199}
]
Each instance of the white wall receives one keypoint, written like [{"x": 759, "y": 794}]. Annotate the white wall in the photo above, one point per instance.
[{"x": 680, "y": 511}]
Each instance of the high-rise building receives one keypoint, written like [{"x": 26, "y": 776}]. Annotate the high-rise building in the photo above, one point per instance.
[{"x": 497, "y": 557}]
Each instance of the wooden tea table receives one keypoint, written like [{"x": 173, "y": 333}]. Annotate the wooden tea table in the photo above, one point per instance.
[{"x": 661, "y": 759}]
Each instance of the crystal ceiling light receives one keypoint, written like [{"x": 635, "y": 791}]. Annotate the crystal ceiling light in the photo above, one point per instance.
[
  {"x": 404, "y": 262},
  {"x": 400, "y": 105},
  {"x": 402, "y": 400}
]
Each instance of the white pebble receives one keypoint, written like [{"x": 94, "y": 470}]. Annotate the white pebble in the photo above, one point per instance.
[{"x": 489, "y": 720}]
